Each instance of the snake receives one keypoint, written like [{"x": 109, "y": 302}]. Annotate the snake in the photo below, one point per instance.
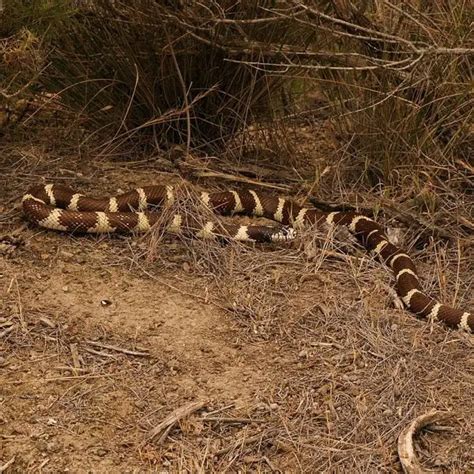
[{"x": 60, "y": 208}]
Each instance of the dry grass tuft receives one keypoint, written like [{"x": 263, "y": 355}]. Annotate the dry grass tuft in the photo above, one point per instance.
[{"x": 157, "y": 68}]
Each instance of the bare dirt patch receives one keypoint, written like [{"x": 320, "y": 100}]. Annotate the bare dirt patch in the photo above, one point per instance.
[{"x": 299, "y": 358}]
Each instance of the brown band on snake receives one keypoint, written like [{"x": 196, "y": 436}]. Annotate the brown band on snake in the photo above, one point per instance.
[{"x": 59, "y": 208}]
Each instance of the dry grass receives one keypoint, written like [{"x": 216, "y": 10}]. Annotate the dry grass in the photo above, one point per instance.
[
  {"x": 333, "y": 372},
  {"x": 355, "y": 370},
  {"x": 133, "y": 70},
  {"x": 359, "y": 370}
]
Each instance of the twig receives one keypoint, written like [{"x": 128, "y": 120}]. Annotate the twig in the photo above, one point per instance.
[
  {"x": 412, "y": 18},
  {"x": 7, "y": 331},
  {"x": 165, "y": 426},
  {"x": 85, "y": 376},
  {"x": 182, "y": 292},
  {"x": 118, "y": 349},
  {"x": 74, "y": 370},
  {"x": 406, "y": 449},
  {"x": 122, "y": 124},
  {"x": 99, "y": 353},
  {"x": 378, "y": 34},
  {"x": 46, "y": 461},
  {"x": 168, "y": 116},
  {"x": 241, "y": 179},
  {"x": 185, "y": 93},
  {"x": 20, "y": 307},
  {"x": 400, "y": 65},
  {"x": 244, "y": 442},
  {"x": 75, "y": 358},
  {"x": 466, "y": 222},
  {"x": 7, "y": 464},
  {"x": 230, "y": 420},
  {"x": 270, "y": 464},
  {"x": 220, "y": 410},
  {"x": 47, "y": 322},
  {"x": 465, "y": 165}
]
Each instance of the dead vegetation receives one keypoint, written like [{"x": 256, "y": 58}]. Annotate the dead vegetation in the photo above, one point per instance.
[
  {"x": 294, "y": 357},
  {"x": 156, "y": 353}
]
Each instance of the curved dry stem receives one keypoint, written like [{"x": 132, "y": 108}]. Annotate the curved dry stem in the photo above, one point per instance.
[{"x": 406, "y": 448}]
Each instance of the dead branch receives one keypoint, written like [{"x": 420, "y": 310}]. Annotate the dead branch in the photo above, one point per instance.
[
  {"x": 6, "y": 331},
  {"x": 229, "y": 420},
  {"x": 7, "y": 464},
  {"x": 75, "y": 358},
  {"x": 165, "y": 426},
  {"x": 406, "y": 448},
  {"x": 353, "y": 26},
  {"x": 118, "y": 349}
]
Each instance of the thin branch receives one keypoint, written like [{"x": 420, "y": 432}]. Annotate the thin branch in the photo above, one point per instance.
[
  {"x": 412, "y": 18},
  {"x": 165, "y": 426},
  {"x": 337, "y": 21},
  {"x": 118, "y": 349},
  {"x": 5, "y": 466},
  {"x": 403, "y": 65},
  {"x": 185, "y": 95}
]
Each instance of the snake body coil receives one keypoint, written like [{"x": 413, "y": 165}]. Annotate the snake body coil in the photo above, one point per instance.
[{"x": 60, "y": 208}]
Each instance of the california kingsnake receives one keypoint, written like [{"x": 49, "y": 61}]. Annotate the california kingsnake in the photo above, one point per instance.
[{"x": 59, "y": 208}]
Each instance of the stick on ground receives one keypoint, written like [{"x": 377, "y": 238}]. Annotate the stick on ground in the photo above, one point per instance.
[
  {"x": 5, "y": 466},
  {"x": 165, "y": 426},
  {"x": 406, "y": 448},
  {"x": 118, "y": 349}
]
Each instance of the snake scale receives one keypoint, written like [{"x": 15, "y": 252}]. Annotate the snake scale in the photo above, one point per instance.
[{"x": 60, "y": 208}]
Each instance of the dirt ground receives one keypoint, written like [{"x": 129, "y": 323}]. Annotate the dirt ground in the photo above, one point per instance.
[{"x": 288, "y": 360}]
